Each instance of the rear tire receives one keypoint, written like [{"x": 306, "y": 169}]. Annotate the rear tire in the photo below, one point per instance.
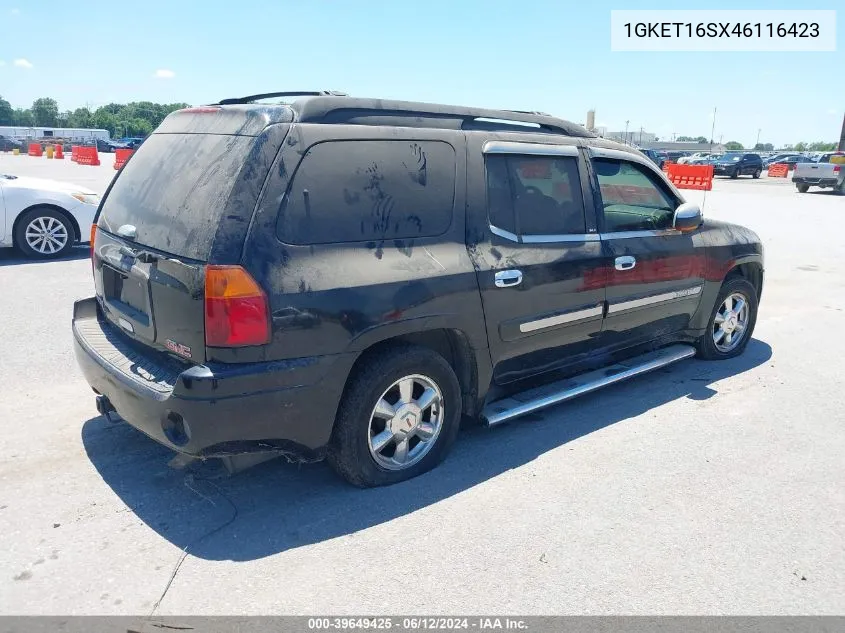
[
  {"x": 366, "y": 442},
  {"x": 712, "y": 345},
  {"x": 802, "y": 188},
  {"x": 735, "y": 174},
  {"x": 757, "y": 173},
  {"x": 44, "y": 233}
]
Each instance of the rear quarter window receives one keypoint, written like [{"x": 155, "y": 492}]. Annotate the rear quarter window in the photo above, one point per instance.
[
  {"x": 175, "y": 188},
  {"x": 351, "y": 191}
]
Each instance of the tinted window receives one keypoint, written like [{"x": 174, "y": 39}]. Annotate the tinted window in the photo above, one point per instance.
[
  {"x": 535, "y": 195},
  {"x": 632, "y": 197},
  {"x": 349, "y": 191},
  {"x": 175, "y": 189}
]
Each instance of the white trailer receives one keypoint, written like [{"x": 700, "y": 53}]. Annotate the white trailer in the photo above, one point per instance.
[{"x": 67, "y": 133}]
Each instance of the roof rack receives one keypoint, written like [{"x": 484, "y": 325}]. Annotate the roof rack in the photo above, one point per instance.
[
  {"x": 350, "y": 110},
  {"x": 268, "y": 95}
]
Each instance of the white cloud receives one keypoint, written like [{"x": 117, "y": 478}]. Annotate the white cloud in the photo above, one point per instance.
[
  {"x": 15, "y": 11},
  {"x": 163, "y": 73},
  {"x": 23, "y": 63}
]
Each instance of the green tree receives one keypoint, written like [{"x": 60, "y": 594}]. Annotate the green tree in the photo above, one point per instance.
[
  {"x": 45, "y": 111},
  {"x": 700, "y": 139},
  {"x": 801, "y": 147},
  {"x": 764, "y": 147},
  {"x": 819, "y": 146},
  {"x": 23, "y": 118},
  {"x": 105, "y": 120},
  {"x": 81, "y": 117},
  {"x": 6, "y": 112},
  {"x": 685, "y": 139},
  {"x": 733, "y": 145}
]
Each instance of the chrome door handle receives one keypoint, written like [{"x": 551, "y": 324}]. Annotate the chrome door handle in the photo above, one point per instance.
[
  {"x": 626, "y": 262},
  {"x": 508, "y": 278}
]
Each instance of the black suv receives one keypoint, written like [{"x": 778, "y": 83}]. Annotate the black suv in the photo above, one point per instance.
[
  {"x": 345, "y": 278},
  {"x": 735, "y": 165}
]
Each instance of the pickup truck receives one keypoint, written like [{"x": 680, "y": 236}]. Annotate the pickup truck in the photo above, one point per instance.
[{"x": 828, "y": 172}]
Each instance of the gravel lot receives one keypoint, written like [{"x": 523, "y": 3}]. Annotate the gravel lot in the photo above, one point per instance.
[{"x": 706, "y": 488}]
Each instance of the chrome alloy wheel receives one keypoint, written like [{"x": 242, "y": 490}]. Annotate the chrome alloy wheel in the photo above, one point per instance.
[
  {"x": 731, "y": 322},
  {"x": 46, "y": 235},
  {"x": 405, "y": 422}
]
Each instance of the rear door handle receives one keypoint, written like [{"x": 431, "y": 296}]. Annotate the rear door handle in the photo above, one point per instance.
[
  {"x": 508, "y": 278},
  {"x": 627, "y": 262}
]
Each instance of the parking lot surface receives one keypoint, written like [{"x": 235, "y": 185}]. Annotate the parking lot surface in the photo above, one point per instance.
[{"x": 704, "y": 488}]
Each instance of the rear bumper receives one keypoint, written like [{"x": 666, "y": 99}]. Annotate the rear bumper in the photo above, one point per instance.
[
  {"x": 215, "y": 409},
  {"x": 818, "y": 182}
]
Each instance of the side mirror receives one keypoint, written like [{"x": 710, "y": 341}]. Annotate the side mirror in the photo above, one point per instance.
[{"x": 688, "y": 217}]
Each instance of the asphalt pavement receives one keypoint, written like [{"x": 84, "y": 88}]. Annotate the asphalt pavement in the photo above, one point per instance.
[{"x": 703, "y": 488}]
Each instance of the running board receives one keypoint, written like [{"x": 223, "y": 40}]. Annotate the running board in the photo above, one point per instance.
[{"x": 557, "y": 392}]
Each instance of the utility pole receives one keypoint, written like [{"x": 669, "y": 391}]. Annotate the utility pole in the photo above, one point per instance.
[
  {"x": 758, "y": 138},
  {"x": 626, "y": 131}
]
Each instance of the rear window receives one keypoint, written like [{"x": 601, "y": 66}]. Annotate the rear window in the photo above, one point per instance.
[
  {"x": 174, "y": 190},
  {"x": 350, "y": 191}
]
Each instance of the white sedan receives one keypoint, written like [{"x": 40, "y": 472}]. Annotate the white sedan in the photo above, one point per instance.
[
  {"x": 44, "y": 218},
  {"x": 694, "y": 159}
]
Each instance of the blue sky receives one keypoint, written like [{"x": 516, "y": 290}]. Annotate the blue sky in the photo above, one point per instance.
[{"x": 552, "y": 56}]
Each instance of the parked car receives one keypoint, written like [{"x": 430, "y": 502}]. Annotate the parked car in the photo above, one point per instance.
[
  {"x": 346, "y": 278},
  {"x": 693, "y": 158},
  {"x": 674, "y": 155},
  {"x": 44, "y": 218},
  {"x": 130, "y": 143},
  {"x": 735, "y": 165},
  {"x": 791, "y": 161},
  {"x": 8, "y": 144},
  {"x": 827, "y": 172},
  {"x": 777, "y": 158},
  {"x": 658, "y": 158}
]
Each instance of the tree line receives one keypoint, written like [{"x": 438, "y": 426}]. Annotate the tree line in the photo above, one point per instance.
[
  {"x": 137, "y": 118},
  {"x": 818, "y": 146}
]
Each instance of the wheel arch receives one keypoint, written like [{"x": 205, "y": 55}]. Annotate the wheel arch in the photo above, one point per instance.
[
  {"x": 751, "y": 271},
  {"x": 452, "y": 344},
  {"x": 53, "y": 207}
]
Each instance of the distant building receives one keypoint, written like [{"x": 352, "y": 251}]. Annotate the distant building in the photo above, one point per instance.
[
  {"x": 69, "y": 133},
  {"x": 684, "y": 146}
]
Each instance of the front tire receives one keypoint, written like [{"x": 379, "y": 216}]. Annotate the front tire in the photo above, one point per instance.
[
  {"x": 398, "y": 418},
  {"x": 735, "y": 174},
  {"x": 757, "y": 173},
  {"x": 44, "y": 233},
  {"x": 731, "y": 322}
]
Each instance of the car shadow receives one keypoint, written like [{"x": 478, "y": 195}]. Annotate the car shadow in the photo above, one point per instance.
[
  {"x": 13, "y": 257},
  {"x": 277, "y": 506}
]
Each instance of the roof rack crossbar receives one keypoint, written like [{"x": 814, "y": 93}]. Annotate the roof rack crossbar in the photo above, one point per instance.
[{"x": 269, "y": 95}]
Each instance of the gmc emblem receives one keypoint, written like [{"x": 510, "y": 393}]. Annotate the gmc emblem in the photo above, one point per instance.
[{"x": 178, "y": 348}]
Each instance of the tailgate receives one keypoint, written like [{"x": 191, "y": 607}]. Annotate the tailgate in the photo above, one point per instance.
[
  {"x": 153, "y": 297},
  {"x": 814, "y": 170}
]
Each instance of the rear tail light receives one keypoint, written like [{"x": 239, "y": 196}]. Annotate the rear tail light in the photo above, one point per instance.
[
  {"x": 236, "y": 308},
  {"x": 837, "y": 169}
]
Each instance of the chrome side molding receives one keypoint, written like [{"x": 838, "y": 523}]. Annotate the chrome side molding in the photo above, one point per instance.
[{"x": 548, "y": 395}]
